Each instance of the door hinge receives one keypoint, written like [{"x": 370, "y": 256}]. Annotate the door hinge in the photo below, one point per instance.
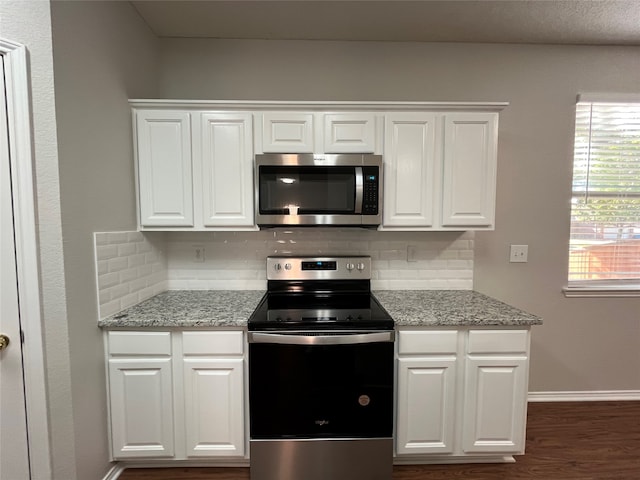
[{"x": 21, "y": 336}]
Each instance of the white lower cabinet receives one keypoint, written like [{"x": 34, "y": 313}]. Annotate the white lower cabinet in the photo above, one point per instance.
[
  {"x": 461, "y": 393},
  {"x": 177, "y": 395},
  {"x": 495, "y": 402},
  {"x": 141, "y": 407}
]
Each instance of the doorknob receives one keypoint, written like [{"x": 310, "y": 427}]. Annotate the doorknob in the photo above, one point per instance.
[{"x": 4, "y": 341}]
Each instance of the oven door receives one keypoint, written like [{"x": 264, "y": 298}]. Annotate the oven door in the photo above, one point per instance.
[{"x": 321, "y": 385}]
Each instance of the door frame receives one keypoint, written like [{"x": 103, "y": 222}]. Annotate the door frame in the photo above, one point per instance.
[{"x": 17, "y": 87}]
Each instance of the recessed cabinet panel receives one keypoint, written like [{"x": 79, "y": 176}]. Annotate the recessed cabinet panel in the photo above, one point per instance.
[
  {"x": 469, "y": 175},
  {"x": 214, "y": 407},
  {"x": 287, "y": 132},
  {"x": 349, "y": 132},
  {"x": 495, "y": 405},
  {"x": 426, "y": 404},
  {"x": 410, "y": 170},
  {"x": 141, "y": 408},
  {"x": 164, "y": 168},
  {"x": 227, "y": 169}
]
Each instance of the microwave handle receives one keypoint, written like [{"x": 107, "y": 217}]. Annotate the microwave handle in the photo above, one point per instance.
[{"x": 359, "y": 190}]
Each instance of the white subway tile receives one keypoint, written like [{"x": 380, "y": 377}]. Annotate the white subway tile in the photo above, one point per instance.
[
  {"x": 115, "y": 238},
  {"x": 117, "y": 264},
  {"x": 106, "y": 252}
]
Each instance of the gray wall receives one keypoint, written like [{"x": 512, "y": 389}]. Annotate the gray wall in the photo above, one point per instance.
[
  {"x": 103, "y": 54},
  {"x": 585, "y": 344}
]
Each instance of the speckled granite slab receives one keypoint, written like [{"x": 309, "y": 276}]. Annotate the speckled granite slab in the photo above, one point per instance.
[
  {"x": 450, "y": 307},
  {"x": 189, "y": 308}
]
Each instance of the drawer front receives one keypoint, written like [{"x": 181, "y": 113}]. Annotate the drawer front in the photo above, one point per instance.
[
  {"x": 498, "y": 341},
  {"x": 213, "y": 343},
  {"x": 431, "y": 342},
  {"x": 139, "y": 343}
]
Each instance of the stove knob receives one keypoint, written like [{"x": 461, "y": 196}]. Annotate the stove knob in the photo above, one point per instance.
[
  {"x": 360, "y": 266},
  {"x": 350, "y": 266},
  {"x": 287, "y": 266},
  {"x": 277, "y": 267}
]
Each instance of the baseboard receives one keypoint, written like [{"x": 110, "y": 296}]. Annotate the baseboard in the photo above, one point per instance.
[
  {"x": 585, "y": 396},
  {"x": 114, "y": 473}
]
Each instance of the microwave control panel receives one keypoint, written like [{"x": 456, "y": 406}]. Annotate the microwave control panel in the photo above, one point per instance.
[{"x": 371, "y": 185}]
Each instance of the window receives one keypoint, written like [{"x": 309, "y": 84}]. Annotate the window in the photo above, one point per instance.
[{"x": 604, "y": 249}]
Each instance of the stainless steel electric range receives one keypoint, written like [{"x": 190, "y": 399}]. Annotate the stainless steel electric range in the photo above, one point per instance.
[{"x": 320, "y": 373}]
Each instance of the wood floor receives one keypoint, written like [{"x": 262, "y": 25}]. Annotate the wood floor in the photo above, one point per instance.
[{"x": 565, "y": 441}]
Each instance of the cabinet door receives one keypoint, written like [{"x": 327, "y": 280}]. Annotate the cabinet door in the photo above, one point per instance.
[
  {"x": 470, "y": 159},
  {"x": 214, "y": 406},
  {"x": 227, "y": 169},
  {"x": 287, "y": 132},
  {"x": 426, "y": 403},
  {"x": 141, "y": 407},
  {"x": 409, "y": 170},
  {"x": 349, "y": 133},
  {"x": 164, "y": 168},
  {"x": 495, "y": 404}
]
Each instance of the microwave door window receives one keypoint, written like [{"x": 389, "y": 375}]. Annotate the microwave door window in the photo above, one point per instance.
[{"x": 310, "y": 190}]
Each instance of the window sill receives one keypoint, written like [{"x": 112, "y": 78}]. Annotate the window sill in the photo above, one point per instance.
[{"x": 602, "y": 291}]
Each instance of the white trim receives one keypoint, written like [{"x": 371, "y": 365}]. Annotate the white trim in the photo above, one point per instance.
[
  {"x": 585, "y": 396},
  {"x": 608, "y": 98},
  {"x": 114, "y": 473},
  {"x": 258, "y": 105},
  {"x": 601, "y": 291},
  {"x": 27, "y": 255}
]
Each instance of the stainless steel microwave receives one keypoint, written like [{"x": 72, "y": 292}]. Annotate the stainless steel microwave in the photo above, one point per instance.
[{"x": 312, "y": 190}]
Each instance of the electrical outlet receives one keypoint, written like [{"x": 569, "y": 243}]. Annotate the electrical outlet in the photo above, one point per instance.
[
  {"x": 198, "y": 253},
  {"x": 411, "y": 253},
  {"x": 519, "y": 253}
]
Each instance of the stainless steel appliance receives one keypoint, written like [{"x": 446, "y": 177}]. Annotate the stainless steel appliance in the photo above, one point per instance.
[
  {"x": 307, "y": 190},
  {"x": 320, "y": 373}
]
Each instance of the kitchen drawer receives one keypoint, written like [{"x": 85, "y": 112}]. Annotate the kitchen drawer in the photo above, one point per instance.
[
  {"x": 139, "y": 343},
  {"x": 427, "y": 341},
  {"x": 213, "y": 343},
  {"x": 498, "y": 341}
]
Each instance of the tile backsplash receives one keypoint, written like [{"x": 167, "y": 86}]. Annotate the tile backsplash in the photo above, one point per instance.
[
  {"x": 134, "y": 266},
  {"x": 130, "y": 267},
  {"x": 400, "y": 260}
]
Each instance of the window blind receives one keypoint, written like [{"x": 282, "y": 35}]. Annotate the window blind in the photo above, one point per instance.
[{"x": 605, "y": 208}]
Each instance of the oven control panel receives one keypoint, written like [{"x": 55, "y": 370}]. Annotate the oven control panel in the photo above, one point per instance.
[{"x": 319, "y": 268}]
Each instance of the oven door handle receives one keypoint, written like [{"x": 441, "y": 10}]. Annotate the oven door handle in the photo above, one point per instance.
[{"x": 301, "y": 339}]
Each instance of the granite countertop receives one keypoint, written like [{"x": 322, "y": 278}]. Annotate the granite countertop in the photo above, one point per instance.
[
  {"x": 451, "y": 308},
  {"x": 232, "y": 308},
  {"x": 190, "y": 308}
]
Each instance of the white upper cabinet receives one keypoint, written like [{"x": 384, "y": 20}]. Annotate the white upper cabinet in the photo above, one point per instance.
[
  {"x": 316, "y": 132},
  {"x": 164, "y": 168},
  {"x": 349, "y": 133},
  {"x": 195, "y": 160},
  {"x": 409, "y": 170},
  {"x": 287, "y": 132},
  {"x": 469, "y": 174},
  {"x": 195, "y": 169},
  {"x": 440, "y": 170},
  {"x": 226, "y": 169}
]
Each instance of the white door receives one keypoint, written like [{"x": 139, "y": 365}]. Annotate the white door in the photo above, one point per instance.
[
  {"x": 495, "y": 405},
  {"x": 227, "y": 169},
  {"x": 470, "y": 159},
  {"x": 214, "y": 408},
  {"x": 141, "y": 407},
  {"x": 426, "y": 400},
  {"x": 164, "y": 168},
  {"x": 14, "y": 457},
  {"x": 410, "y": 170}
]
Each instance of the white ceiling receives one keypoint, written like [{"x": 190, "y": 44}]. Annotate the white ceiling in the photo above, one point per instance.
[{"x": 594, "y": 22}]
